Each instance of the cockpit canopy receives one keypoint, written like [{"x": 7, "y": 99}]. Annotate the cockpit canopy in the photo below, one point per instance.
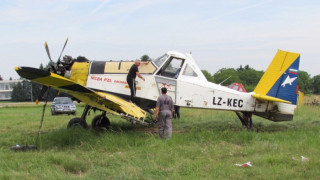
[{"x": 170, "y": 65}]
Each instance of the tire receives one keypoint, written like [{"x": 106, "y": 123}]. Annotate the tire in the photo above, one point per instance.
[
  {"x": 77, "y": 122},
  {"x": 99, "y": 122},
  {"x": 53, "y": 113}
]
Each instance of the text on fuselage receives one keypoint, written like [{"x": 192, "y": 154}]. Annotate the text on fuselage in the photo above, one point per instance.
[{"x": 219, "y": 101}]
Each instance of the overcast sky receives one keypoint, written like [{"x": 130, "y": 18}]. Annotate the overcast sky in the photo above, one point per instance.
[{"x": 219, "y": 34}]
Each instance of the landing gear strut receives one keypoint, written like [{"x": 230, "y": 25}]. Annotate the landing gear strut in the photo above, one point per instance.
[{"x": 245, "y": 118}]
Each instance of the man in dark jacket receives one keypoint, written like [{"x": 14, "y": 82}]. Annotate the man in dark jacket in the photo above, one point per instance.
[{"x": 131, "y": 77}]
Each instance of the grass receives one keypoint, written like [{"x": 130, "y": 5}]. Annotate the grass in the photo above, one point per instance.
[{"x": 205, "y": 145}]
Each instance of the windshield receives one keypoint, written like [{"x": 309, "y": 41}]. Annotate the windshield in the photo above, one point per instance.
[
  {"x": 160, "y": 60},
  {"x": 63, "y": 101}
]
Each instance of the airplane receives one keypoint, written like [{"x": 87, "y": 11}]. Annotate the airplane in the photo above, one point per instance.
[{"x": 102, "y": 85}]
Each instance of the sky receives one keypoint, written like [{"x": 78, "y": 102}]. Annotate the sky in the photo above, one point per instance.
[{"x": 220, "y": 34}]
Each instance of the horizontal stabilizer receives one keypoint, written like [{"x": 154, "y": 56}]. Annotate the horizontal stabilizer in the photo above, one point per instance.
[{"x": 269, "y": 98}]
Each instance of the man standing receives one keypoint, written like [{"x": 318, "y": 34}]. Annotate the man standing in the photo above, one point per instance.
[
  {"x": 164, "y": 109},
  {"x": 131, "y": 77},
  {"x": 176, "y": 113}
]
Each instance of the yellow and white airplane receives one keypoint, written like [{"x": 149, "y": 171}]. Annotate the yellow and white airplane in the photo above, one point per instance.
[{"x": 102, "y": 85}]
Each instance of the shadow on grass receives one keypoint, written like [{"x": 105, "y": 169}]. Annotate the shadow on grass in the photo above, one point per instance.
[
  {"x": 236, "y": 126},
  {"x": 123, "y": 134},
  {"x": 69, "y": 138}
]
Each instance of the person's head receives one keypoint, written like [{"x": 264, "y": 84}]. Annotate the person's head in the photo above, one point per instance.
[
  {"x": 164, "y": 90},
  {"x": 138, "y": 62}
]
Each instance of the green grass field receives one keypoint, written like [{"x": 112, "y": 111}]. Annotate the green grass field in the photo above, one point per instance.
[{"x": 205, "y": 145}]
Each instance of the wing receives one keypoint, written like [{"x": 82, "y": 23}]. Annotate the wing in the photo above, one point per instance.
[{"x": 103, "y": 101}]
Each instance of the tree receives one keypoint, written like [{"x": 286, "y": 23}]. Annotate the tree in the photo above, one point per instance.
[
  {"x": 316, "y": 84},
  {"x": 226, "y": 76},
  {"x": 1, "y": 78},
  {"x": 305, "y": 82},
  {"x": 36, "y": 88},
  {"x": 240, "y": 68},
  {"x": 19, "y": 93},
  {"x": 250, "y": 78},
  {"x": 208, "y": 75},
  {"x": 145, "y": 58}
]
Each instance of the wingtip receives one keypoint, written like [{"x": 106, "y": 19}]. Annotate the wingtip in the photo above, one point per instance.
[{"x": 17, "y": 68}]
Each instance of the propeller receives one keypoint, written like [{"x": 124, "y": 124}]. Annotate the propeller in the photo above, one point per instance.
[
  {"x": 53, "y": 67},
  {"x": 47, "y": 49},
  {"x": 51, "y": 63},
  {"x": 65, "y": 44}
]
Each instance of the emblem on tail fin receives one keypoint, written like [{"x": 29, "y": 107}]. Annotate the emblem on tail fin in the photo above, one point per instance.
[{"x": 288, "y": 81}]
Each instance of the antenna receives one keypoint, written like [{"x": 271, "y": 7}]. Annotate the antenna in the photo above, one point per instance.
[{"x": 225, "y": 80}]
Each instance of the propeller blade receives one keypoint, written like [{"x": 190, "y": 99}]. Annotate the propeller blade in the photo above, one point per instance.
[
  {"x": 47, "y": 49},
  {"x": 42, "y": 92},
  {"x": 63, "y": 49}
]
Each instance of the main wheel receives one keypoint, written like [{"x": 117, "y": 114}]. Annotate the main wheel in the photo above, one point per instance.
[
  {"x": 100, "y": 122},
  {"x": 77, "y": 122}
]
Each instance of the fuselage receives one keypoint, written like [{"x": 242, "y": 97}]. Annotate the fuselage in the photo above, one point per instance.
[{"x": 184, "y": 80}]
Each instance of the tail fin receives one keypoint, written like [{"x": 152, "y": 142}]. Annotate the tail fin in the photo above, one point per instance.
[{"x": 280, "y": 79}]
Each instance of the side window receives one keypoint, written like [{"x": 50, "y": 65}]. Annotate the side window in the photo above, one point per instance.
[
  {"x": 188, "y": 71},
  {"x": 172, "y": 68}
]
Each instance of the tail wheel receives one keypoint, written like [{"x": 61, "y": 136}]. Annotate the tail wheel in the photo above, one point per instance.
[
  {"x": 100, "y": 121},
  {"x": 77, "y": 122}
]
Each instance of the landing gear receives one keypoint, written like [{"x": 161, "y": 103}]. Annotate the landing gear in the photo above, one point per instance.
[
  {"x": 245, "y": 118},
  {"x": 77, "y": 122},
  {"x": 100, "y": 121},
  {"x": 80, "y": 122}
]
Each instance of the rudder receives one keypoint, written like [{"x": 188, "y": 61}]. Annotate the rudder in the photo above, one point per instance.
[{"x": 280, "y": 79}]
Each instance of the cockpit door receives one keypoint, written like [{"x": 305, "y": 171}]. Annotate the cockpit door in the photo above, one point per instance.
[
  {"x": 170, "y": 84},
  {"x": 167, "y": 76}
]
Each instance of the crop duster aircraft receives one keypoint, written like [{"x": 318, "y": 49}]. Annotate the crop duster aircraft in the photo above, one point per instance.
[{"x": 102, "y": 85}]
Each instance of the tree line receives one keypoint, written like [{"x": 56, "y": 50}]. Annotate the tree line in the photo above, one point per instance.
[{"x": 250, "y": 77}]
